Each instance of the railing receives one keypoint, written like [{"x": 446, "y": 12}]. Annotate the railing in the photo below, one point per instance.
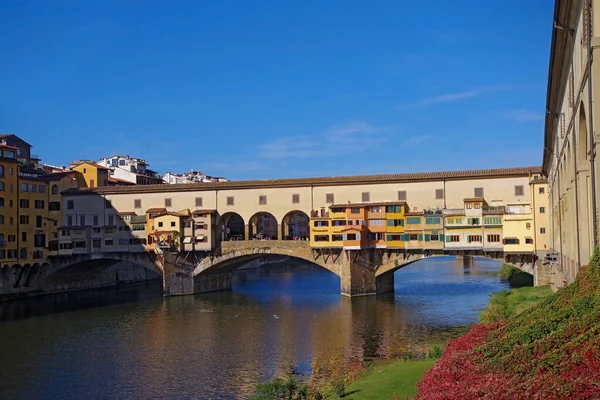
[{"x": 433, "y": 212}]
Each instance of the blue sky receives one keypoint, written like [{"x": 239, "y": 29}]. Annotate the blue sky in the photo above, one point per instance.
[{"x": 273, "y": 89}]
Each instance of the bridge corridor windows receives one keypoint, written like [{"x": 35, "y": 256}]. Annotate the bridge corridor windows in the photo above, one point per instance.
[
  {"x": 263, "y": 226},
  {"x": 295, "y": 226}
]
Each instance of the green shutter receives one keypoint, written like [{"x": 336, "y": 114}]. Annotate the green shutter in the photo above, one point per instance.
[
  {"x": 390, "y": 222},
  {"x": 427, "y": 237},
  {"x": 442, "y": 237},
  {"x": 420, "y": 237},
  {"x": 468, "y": 239},
  {"x": 405, "y": 237},
  {"x": 447, "y": 238}
]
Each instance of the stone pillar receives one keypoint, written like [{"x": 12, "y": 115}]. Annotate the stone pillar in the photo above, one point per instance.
[
  {"x": 280, "y": 231},
  {"x": 358, "y": 274},
  {"x": 205, "y": 283},
  {"x": 247, "y": 232},
  {"x": 178, "y": 277}
]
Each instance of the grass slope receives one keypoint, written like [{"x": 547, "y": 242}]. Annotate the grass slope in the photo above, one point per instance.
[
  {"x": 509, "y": 303},
  {"x": 398, "y": 378},
  {"x": 551, "y": 351}
]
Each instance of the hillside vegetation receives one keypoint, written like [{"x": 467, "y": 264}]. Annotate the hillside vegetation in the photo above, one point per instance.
[{"x": 551, "y": 351}]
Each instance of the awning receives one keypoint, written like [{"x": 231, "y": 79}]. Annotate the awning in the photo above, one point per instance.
[
  {"x": 200, "y": 238},
  {"x": 187, "y": 240}
]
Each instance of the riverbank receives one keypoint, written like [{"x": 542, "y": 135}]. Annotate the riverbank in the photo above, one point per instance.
[{"x": 551, "y": 351}]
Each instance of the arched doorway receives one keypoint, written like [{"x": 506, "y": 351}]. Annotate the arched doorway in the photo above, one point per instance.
[
  {"x": 231, "y": 227},
  {"x": 295, "y": 226},
  {"x": 263, "y": 226}
]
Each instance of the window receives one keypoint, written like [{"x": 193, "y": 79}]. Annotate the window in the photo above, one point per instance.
[
  {"x": 542, "y": 230},
  {"x": 110, "y": 220},
  {"x": 10, "y": 171},
  {"x": 123, "y": 241},
  {"x": 413, "y": 236},
  {"x": 69, "y": 220},
  {"x": 38, "y": 221},
  {"x": 519, "y": 190},
  {"x": 230, "y": 201},
  {"x": 39, "y": 204},
  {"x": 198, "y": 201},
  {"x": 376, "y": 209},
  {"x": 23, "y": 236},
  {"x": 366, "y": 196},
  {"x": 24, "y": 203},
  {"x": 469, "y": 205},
  {"x": 321, "y": 238},
  {"x": 337, "y": 238},
  {"x": 351, "y": 236},
  {"x": 477, "y": 206},
  {"x": 24, "y": 219},
  {"x": 172, "y": 223},
  {"x": 402, "y": 195},
  {"x": 433, "y": 238},
  {"x": 541, "y": 190},
  {"x": 1, "y": 201},
  {"x": 528, "y": 241},
  {"x": 54, "y": 206},
  {"x": 82, "y": 220},
  {"x": 108, "y": 242},
  {"x": 1, "y": 219},
  {"x": 473, "y": 238},
  {"x": 542, "y": 210},
  {"x": 320, "y": 223},
  {"x": 12, "y": 238},
  {"x": 492, "y": 220},
  {"x": 33, "y": 188},
  {"x": 395, "y": 222},
  {"x": 24, "y": 187},
  {"x": 167, "y": 202},
  {"x": 472, "y": 221},
  {"x": 95, "y": 220},
  {"x": 262, "y": 200},
  {"x": 42, "y": 189},
  {"x": 393, "y": 238},
  {"x": 478, "y": 192},
  {"x": 511, "y": 241},
  {"x": 493, "y": 238},
  {"x": 295, "y": 198},
  {"x": 107, "y": 204},
  {"x": 70, "y": 204},
  {"x": 528, "y": 225},
  {"x": 432, "y": 220},
  {"x": 329, "y": 198},
  {"x": 137, "y": 203},
  {"x": 453, "y": 238},
  {"x": 338, "y": 222},
  {"x": 413, "y": 220},
  {"x": 376, "y": 222},
  {"x": 393, "y": 209},
  {"x": 54, "y": 189},
  {"x": 439, "y": 194},
  {"x": 160, "y": 224}
]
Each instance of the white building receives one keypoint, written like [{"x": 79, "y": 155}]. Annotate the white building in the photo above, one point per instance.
[
  {"x": 130, "y": 169},
  {"x": 191, "y": 177}
]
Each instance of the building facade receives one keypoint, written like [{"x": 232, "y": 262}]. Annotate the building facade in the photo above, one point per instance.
[{"x": 569, "y": 156}]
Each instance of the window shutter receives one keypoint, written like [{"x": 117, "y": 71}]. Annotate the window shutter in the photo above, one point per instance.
[
  {"x": 405, "y": 237},
  {"x": 468, "y": 239},
  {"x": 420, "y": 237},
  {"x": 358, "y": 236},
  {"x": 390, "y": 222},
  {"x": 345, "y": 236},
  {"x": 389, "y": 238},
  {"x": 427, "y": 237},
  {"x": 442, "y": 237}
]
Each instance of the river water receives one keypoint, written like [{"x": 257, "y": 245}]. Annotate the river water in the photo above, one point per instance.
[{"x": 130, "y": 343}]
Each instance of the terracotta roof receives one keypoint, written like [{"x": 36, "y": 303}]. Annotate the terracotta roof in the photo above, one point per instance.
[
  {"x": 171, "y": 213},
  {"x": 93, "y": 164},
  {"x": 351, "y": 228},
  {"x": 323, "y": 181},
  {"x": 375, "y": 203},
  {"x": 6, "y": 146},
  {"x": 409, "y": 213},
  {"x": 474, "y": 199},
  {"x": 117, "y": 180},
  {"x": 204, "y": 211},
  {"x": 156, "y": 210},
  {"x": 127, "y": 213}
]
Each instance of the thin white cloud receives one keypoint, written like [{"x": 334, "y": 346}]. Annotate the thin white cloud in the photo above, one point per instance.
[
  {"x": 337, "y": 140},
  {"x": 458, "y": 96},
  {"x": 522, "y": 115}
]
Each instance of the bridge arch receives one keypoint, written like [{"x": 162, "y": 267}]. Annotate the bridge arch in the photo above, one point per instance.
[
  {"x": 231, "y": 226},
  {"x": 263, "y": 224},
  {"x": 295, "y": 225}
]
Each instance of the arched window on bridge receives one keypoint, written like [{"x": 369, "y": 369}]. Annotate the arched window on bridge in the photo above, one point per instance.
[
  {"x": 263, "y": 226},
  {"x": 295, "y": 226}
]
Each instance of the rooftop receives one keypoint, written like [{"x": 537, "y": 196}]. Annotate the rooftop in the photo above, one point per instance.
[{"x": 319, "y": 181}]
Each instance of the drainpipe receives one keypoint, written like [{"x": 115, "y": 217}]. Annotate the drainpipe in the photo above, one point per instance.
[{"x": 592, "y": 144}]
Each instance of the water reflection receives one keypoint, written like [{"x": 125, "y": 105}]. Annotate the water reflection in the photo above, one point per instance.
[{"x": 133, "y": 344}]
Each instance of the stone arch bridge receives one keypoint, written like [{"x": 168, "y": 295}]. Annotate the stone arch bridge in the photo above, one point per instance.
[{"x": 362, "y": 272}]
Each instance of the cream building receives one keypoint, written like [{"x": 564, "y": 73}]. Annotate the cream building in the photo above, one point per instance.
[
  {"x": 569, "y": 160},
  {"x": 238, "y": 207}
]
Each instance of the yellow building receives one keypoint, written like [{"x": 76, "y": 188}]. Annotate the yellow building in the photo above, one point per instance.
[
  {"x": 168, "y": 230},
  {"x": 91, "y": 174},
  {"x": 433, "y": 229},
  {"x": 395, "y": 225},
  {"x": 413, "y": 229},
  {"x": 540, "y": 203},
  {"x": 9, "y": 225},
  {"x": 32, "y": 213}
]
